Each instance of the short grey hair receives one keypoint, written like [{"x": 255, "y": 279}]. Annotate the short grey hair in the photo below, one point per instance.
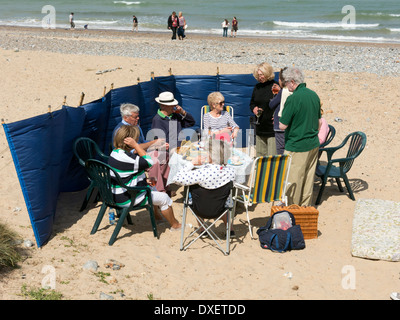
[
  {"x": 127, "y": 109},
  {"x": 294, "y": 74}
]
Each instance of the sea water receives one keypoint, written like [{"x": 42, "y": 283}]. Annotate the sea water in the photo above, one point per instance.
[{"x": 350, "y": 20}]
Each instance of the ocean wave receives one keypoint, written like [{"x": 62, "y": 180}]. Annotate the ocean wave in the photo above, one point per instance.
[
  {"x": 128, "y": 3},
  {"x": 381, "y": 14},
  {"x": 324, "y": 24},
  {"x": 96, "y": 22},
  {"x": 394, "y": 29}
]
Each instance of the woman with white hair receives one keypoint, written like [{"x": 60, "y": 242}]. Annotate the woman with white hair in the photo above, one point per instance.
[{"x": 219, "y": 122}]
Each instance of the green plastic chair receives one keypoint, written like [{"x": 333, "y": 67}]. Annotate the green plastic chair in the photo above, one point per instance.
[
  {"x": 100, "y": 174},
  {"x": 356, "y": 142},
  {"x": 85, "y": 149}
]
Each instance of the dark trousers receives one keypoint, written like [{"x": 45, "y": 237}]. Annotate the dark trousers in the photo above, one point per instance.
[{"x": 174, "y": 32}]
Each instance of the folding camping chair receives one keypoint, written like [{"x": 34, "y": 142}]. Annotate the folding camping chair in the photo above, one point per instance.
[
  {"x": 268, "y": 182},
  {"x": 85, "y": 149},
  {"x": 100, "y": 174},
  {"x": 207, "y": 204}
]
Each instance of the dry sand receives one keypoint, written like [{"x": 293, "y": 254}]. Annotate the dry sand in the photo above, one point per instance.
[{"x": 32, "y": 80}]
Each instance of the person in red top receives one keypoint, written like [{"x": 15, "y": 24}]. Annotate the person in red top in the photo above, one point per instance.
[
  {"x": 173, "y": 24},
  {"x": 234, "y": 27}
]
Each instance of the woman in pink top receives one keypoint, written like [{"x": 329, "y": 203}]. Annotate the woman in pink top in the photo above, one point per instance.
[
  {"x": 323, "y": 129},
  {"x": 182, "y": 26}
]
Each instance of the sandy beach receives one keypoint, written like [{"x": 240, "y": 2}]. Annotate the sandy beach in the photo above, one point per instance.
[{"x": 42, "y": 68}]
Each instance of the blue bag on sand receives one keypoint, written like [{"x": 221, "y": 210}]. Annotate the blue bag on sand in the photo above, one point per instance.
[{"x": 281, "y": 233}]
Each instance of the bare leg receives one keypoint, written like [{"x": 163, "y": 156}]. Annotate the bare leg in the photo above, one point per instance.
[{"x": 169, "y": 215}]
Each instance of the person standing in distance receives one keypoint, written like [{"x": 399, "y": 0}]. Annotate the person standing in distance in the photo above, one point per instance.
[
  {"x": 135, "y": 23},
  {"x": 71, "y": 21}
]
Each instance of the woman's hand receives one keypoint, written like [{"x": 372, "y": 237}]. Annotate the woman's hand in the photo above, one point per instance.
[
  {"x": 255, "y": 110},
  {"x": 130, "y": 142}
]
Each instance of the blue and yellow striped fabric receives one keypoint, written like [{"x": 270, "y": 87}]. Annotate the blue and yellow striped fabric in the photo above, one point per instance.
[{"x": 269, "y": 178}]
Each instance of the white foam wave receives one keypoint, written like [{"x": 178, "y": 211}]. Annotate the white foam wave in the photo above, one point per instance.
[
  {"x": 394, "y": 29},
  {"x": 380, "y": 14},
  {"x": 324, "y": 24},
  {"x": 128, "y": 3},
  {"x": 96, "y": 22}
]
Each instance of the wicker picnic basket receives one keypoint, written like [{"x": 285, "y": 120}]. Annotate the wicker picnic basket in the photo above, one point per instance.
[{"x": 306, "y": 217}]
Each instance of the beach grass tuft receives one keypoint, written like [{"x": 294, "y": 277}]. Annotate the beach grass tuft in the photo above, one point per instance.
[{"x": 9, "y": 255}]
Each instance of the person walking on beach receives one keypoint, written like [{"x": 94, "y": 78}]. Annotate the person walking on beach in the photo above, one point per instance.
[
  {"x": 135, "y": 24},
  {"x": 234, "y": 27},
  {"x": 182, "y": 26},
  {"x": 71, "y": 20},
  {"x": 301, "y": 119},
  {"x": 225, "y": 25},
  {"x": 173, "y": 24}
]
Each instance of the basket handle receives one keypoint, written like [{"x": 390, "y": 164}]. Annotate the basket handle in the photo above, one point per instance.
[{"x": 294, "y": 206}]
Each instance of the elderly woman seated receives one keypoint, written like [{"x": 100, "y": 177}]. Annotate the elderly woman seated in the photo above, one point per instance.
[
  {"x": 219, "y": 122},
  {"x": 212, "y": 182}
]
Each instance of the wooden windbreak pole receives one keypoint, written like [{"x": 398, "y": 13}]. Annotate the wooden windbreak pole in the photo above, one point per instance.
[
  {"x": 170, "y": 71},
  {"x": 65, "y": 101},
  {"x": 152, "y": 75},
  {"x": 81, "y": 100}
]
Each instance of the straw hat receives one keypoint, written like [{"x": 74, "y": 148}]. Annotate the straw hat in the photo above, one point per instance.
[{"x": 167, "y": 98}]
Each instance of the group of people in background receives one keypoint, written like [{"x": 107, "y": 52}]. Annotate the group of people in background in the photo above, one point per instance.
[
  {"x": 234, "y": 27},
  {"x": 177, "y": 24}
]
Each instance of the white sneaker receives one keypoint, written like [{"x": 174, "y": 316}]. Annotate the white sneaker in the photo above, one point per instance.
[{"x": 395, "y": 295}]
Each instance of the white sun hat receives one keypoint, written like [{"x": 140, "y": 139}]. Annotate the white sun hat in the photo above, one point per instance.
[{"x": 167, "y": 98}]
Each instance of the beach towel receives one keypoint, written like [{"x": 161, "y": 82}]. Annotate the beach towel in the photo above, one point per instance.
[{"x": 376, "y": 230}]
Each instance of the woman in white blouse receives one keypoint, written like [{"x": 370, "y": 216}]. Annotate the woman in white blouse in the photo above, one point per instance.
[{"x": 219, "y": 122}]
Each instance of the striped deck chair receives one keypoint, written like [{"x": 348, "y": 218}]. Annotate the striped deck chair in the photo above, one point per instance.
[
  {"x": 206, "y": 109},
  {"x": 268, "y": 182}
]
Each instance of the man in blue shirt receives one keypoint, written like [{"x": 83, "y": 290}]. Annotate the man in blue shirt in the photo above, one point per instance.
[{"x": 160, "y": 168}]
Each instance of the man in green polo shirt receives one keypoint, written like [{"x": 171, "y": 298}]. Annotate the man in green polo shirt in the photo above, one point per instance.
[{"x": 300, "y": 120}]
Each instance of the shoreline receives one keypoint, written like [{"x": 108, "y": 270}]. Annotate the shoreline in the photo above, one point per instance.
[
  {"x": 311, "y": 55},
  {"x": 198, "y": 36}
]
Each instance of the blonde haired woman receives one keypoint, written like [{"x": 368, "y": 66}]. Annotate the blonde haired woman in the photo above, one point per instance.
[
  {"x": 259, "y": 105},
  {"x": 219, "y": 122},
  {"x": 131, "y": 168}
]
